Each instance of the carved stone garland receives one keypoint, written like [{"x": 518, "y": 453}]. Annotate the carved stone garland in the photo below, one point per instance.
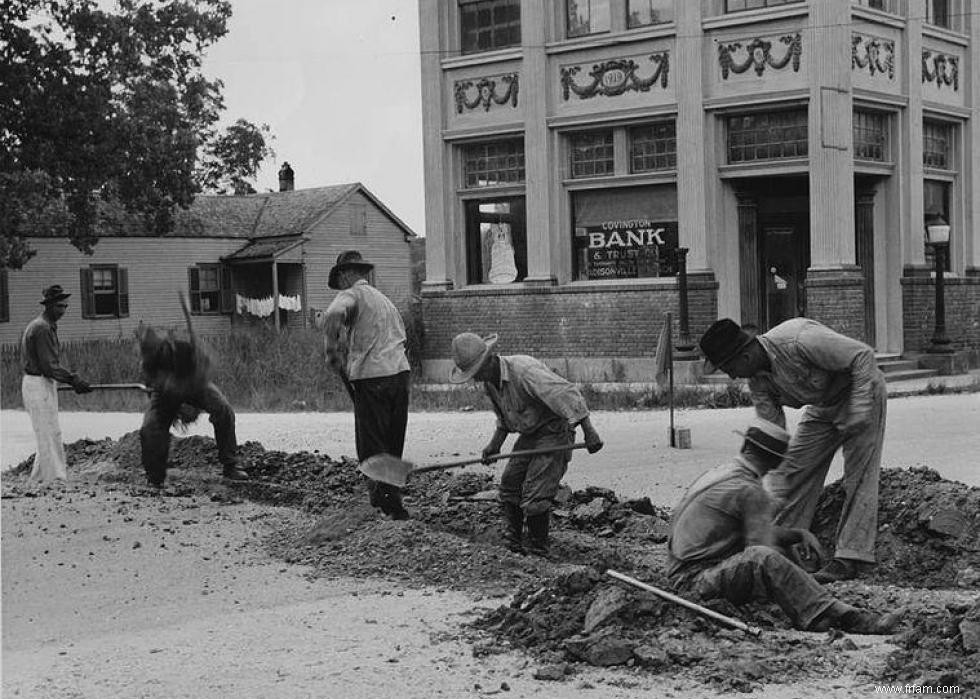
[
  {"x": 878, "y": 55},
  {"x": 760, "y": 55},
  {"x": 486, "y": 92},
  {"x": 615, "y": 77},
  {"x": 945, "y": 69}
]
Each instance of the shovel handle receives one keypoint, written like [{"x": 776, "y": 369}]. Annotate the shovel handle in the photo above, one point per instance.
[
  {"x": 704, "y": 611},
  {"x": 109, "y": 387},
  {"x": 497, "y": 457}
]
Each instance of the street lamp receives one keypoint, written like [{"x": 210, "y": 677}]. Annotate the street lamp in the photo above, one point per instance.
[{"x": 937, "y": 235}]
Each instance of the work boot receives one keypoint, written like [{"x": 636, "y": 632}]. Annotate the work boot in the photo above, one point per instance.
[
  {"x": 537, "y": 530},
  {"x": 233, "y": 473},
  {"x": 514, "y": 521},
  {"x": 837, "y": 570},
  {"x": 871, "y": 623}
]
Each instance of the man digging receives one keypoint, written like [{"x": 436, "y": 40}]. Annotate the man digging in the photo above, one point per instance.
[
  {"x": 723, "y": 544},
  {"x": 803, "y": 364},
  {"x": 544, "y": 409}
]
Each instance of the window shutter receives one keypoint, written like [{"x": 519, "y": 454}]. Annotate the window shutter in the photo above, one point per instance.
[
  {"x": 358, "y": 219},
  {"x": 193, "y": 287},
  {"x": 88, "y": 293},
  {"x": 227, "y": 293},
  {"x": 122, "y": 281}
]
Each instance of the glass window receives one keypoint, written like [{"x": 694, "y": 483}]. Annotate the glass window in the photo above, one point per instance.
[
  {"x": 104, "y": 286},
  {"x": 642, "y": 13},
  {"x": 105, "y": 291},
  {"x": 486, "y": 25},
  {"x": 885, "y": 5},
  {"x": 740, "y": 5},
  {"x": 496, "y": 240},
  {"x": 587, "y": 17},
  {"x": 493, "y": 163},
  {"x": 935, "y": 195},
  {"x": 624, "y": 232},
  {"x": 937, "y": 145},
  {"x": 653, "y": 147},
  {"x": 591, "y": 153},
  {"x": 938, "y": 13},
  {"x": 871, "y": 135},
  {"x": 767, "y": 136}
]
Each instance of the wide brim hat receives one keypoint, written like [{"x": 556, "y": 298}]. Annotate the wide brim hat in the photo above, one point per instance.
[
  {"x": 470, "y": 353},
  {"x": 722, "y": 342},
  {"x": 52, "y": 294},
  {"x": 349, "y": 259},
  {"x": 768, "y": 436}
]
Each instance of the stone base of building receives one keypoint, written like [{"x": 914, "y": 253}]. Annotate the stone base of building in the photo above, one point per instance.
[
  {"x": 962, "y": 300},
  {"x": 947, "y": 364}
]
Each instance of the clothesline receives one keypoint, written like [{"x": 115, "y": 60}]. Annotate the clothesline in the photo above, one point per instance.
[{"x": 264, "y": 307}]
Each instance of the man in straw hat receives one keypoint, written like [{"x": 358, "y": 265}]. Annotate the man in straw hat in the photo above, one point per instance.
[
  {"x": 723, "y": 543},
  {"x": 40, "y": 354},
  {"x": 803, "y": 363},
  {"x": 365, "y": 344},
  {"x": 544, "y": 409}
]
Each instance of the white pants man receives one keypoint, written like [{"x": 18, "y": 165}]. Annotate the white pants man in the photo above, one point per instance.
[{"x": 41, "y": 401}]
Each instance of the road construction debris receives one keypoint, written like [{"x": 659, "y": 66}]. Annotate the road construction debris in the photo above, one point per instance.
[{"x": 566, "y": 612}]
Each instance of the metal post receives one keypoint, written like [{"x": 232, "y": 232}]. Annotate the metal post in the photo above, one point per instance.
[
  {"x": 685, "y": 346},
  {"x": 940, "y": 342}
]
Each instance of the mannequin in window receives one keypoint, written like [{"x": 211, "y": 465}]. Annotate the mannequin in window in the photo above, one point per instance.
[{"x": 503, "y": 269}]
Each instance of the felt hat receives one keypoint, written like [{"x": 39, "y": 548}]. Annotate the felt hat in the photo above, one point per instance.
[
  {"x": 470, "y": 352},
  {"x": 53, "y": 293},
  {"x": 349, "y": 259},
  {"x": 768, "y": 436},
  {"x": 722, "y": 342}
]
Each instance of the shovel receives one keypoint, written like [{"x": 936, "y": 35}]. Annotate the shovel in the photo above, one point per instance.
[
  {"x": 110, "y": 387},
  {"x": 394, "y": 471}
]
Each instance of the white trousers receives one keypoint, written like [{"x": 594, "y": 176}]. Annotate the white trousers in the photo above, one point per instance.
[{"x": 41, "y": 401}]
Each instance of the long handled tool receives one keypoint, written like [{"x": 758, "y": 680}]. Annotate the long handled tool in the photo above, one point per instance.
[
  {"x": 394, "y": 471},
  {"x": 704, "y": 611},
  {"x": 110, "y": 387}
]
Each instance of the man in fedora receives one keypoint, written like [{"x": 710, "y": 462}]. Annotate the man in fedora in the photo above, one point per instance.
[
  {"x": 40, "y": 354},
  {"x": 365, "y": 344},
  {"x": 723, "y": 543},
  {"x": 803, "y": 364},
  {"x": 544, "y": 408}
]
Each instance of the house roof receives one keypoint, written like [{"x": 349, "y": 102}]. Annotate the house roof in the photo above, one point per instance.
[{"x": 264, "y": 249}]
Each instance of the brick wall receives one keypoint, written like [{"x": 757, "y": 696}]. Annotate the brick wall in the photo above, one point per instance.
[
  {"x": 962, "y": 296},
  {"x": 836, "y": 299},
  {"x": 622, "y": 320}
]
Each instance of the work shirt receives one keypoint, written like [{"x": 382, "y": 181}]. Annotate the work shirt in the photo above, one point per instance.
[
  {"x": 40, "y": 351},
  {"x": 376, "y": 333},
  {"x": 715, "y": 519},
  {"x": 531, "y": 395},
  {"x": 813, "y": 365}
]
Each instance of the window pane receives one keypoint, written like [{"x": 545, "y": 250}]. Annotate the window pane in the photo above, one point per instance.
[
  {"x": 739, "y": 5},
  {"x": 493, "y": 163},
  {"x": 767, "y": 136},
  {"x": 935, "y": 197},
  {"x": 496, "y": 241},
  {"x": 653, "y": 147},
  {"x": 591, "y": 153},
  {"x": 871, "y": 135},
  {"x": 937, "y": 12},
  {"x": 641, "y": 13},
  {"x": 486, "y": 25},
  {"x": 937, "y": 144}
]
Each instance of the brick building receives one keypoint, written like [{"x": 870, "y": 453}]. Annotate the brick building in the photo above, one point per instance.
[{"x": 793, "y": 147}]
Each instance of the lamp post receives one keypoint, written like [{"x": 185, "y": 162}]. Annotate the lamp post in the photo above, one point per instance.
[
  {"x": 685, "y": 345},
  {"x": 937, "y": 235}
]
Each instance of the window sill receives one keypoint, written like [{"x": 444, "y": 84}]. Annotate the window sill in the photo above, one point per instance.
[
  {"x": 767, "y": 14},
  {"x": 765, "y": 167},
  {"x": 627, "y": 36},
  {"x": 510, "y": 53},
  {"x": 951, "y": 35},
  {"x": 878, "y": 16},
  {"x": 659, "y": 177}
]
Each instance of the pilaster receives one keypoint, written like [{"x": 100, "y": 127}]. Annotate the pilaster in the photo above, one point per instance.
[{"x": 912, "y": 212}]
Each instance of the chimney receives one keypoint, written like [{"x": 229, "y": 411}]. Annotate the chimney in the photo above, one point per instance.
[{"x": 285, "y": 178}]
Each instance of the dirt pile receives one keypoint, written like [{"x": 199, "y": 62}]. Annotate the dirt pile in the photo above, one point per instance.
[{"x": 928, "y": 528}]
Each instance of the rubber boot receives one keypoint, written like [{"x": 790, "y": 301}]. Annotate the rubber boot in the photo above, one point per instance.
[
  {"x": 514, "y": 521},
  {"x": 537, "y": 530}
]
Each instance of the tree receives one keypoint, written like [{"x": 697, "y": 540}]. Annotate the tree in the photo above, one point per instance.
[
  {"x": 233, "y": 158},
  {"x": 107, "y": 110}
]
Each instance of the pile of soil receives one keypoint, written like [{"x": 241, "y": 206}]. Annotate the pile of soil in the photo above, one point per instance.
[
  {"x": 928, "y": 528},
  {"x": 568, "y": 611}
]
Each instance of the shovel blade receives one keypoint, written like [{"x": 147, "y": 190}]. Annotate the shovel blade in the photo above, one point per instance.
[{"x": 387, "y": 469}]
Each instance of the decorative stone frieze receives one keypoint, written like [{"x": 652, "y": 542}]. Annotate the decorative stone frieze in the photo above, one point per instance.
[
  {"x": 941, "y": 69},
  {"x": 759, "y": 55},
  {"x": 874, "y": 54},
  {"x": 616, "y": 77},
  {"x": 473, "y": 94}
]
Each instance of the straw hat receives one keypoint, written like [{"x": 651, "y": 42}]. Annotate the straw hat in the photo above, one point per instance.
[
  {"x": 470, "y": 352},
  {"x": 349, "y": 259},
  {"x": 768, "y": 436}
]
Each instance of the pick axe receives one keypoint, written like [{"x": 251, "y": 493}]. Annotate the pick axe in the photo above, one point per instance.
[{"x": 394, "y": 471}]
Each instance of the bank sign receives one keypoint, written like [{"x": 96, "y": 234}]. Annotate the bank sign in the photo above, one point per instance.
[{"x": 627, "y": 249}]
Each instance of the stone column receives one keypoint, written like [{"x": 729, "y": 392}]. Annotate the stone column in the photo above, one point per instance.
[
  {"x": 971, "y": 156},
  {"x": 913, "y": 171},
  {"x": 542, "y": 235}
]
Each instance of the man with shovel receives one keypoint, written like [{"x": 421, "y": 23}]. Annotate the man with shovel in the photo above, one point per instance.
[
  {"x": 723, "y": 544},
  {"x": 41, "y": 359},
  {"x": 544, "y": 408}
]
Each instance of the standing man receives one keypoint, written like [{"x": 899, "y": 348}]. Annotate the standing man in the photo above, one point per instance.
[
  {"x": 531, "y": 399},
  {"x": 365, "y": 344},
  {"x": 177, "y": 373},
  {"x": 723, "y": 544},
  {"x": 803, "y": 363},
  {"x": 40, "y": 354}
]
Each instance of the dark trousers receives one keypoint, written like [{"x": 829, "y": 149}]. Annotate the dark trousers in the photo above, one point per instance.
[
  {"x": 155, "y": 432},
  {"x": 380, "y": 418},
  {"x": 532, "y": 481}
]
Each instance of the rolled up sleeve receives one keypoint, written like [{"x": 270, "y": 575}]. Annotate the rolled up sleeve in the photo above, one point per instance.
[{"x": 561, "y": 396}]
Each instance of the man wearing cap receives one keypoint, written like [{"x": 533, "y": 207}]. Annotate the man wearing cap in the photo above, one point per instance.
[
  {"x": 803, "y": 364},
  {"x": 365, "y": 344},
  {"x": 544, "y": 408},
  {"x": 40, "y": 354},
  {"x": 723, "y": 543}
]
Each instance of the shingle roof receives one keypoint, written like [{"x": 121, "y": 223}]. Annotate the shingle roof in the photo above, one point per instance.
[{"x": 264, "y": 248}]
